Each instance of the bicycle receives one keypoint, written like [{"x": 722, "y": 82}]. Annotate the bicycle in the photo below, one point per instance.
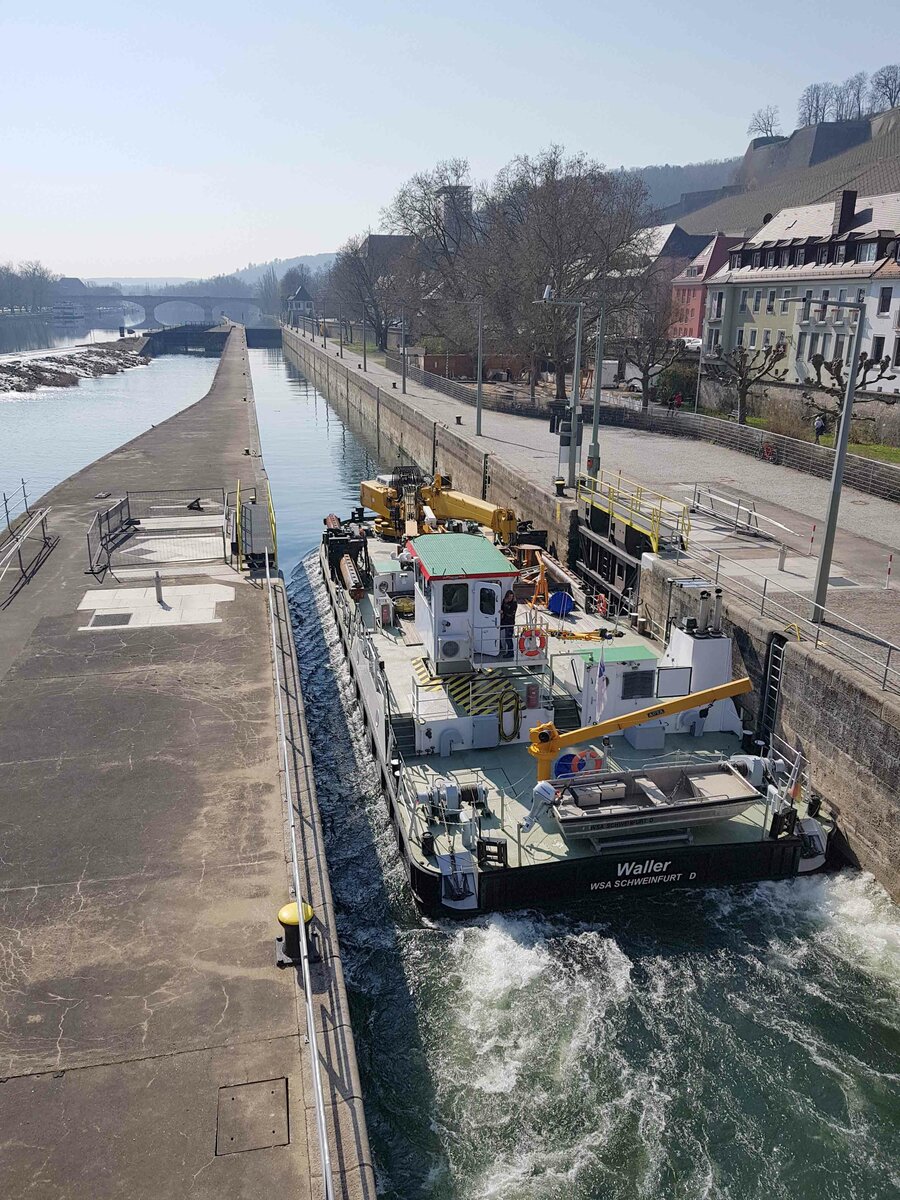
[{"x": 768, "y": 452}]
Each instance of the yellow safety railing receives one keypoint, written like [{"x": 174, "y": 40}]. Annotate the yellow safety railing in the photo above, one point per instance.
[
  {"x": 272, "y": 523},
  {"x": 658, "y": 516}
]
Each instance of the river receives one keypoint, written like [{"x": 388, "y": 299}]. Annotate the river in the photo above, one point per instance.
[{"x": 727, "y": 1044}]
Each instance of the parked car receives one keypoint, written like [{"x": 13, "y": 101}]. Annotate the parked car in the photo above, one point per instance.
[{"x": 692, "y": 343}]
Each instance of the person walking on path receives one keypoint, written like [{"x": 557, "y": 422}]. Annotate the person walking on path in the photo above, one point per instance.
[
  {"x": 508, "y": 609},
  {"x": 819, "y": 427},
  {"x": 678, "y": 401}
]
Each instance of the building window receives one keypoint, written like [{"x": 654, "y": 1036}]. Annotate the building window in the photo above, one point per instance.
[
  {"x": 840, "y": 252},
  {"x": 757, "y": 300},
  {"x": 825, "y": 337},
  {"x": 866, "y": 251},
  {"x": 757, "y": 258},
  {"x": 782, "y": 337},
  {"x": 770, "y": 258},
  {"x": 813, "y": 346},
  {"x": 767, "y": 337},
  {"x": 807, "y": 297},
  {"x": 720, "y": 300},
  {"x": 785, "y": 296},
  {"x": 752, "y": 342},
  {"x": 740, "y": 336},
  {"x": 839, "y": 347},
  {"x": 884, "y": 301},
  {"x": 878, "y": 348},
  {"x": 801, "y": 345},
  {"x": 742, "y": 307},
  {"x": 785, "y": 258},
  {"x": 734, "y": 262},
  {"x": 800, "y": 256},
  {"x": 823, "y": 311},
  {"x": 822, "y": 255},
  {"x": 897, "y": 352},
  {"x": 770, "y": 301}
]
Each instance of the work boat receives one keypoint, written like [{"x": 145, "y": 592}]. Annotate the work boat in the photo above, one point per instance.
[{"x": 556, "y": 754}]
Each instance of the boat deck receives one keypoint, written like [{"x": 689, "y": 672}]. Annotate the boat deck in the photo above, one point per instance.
[{"x": 509, "y": 773}]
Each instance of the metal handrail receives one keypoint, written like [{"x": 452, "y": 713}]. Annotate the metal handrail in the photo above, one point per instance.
[
  {"x": 319, "y": 1097},
  {"x": 822, "y": 635},
  {"x": 643, "y": 508}
]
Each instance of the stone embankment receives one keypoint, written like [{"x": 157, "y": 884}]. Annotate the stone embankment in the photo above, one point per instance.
[{"x": 28, "y": 373}]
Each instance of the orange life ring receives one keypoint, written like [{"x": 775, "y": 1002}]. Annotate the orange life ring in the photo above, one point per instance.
[
  {"x": 532, "y": 635},
  {"x": 587, "y": 760}
]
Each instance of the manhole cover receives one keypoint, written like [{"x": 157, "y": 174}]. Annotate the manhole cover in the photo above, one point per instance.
[
  {"x": 252, "y": 1116},
  {"x": 110, "y": 619}
]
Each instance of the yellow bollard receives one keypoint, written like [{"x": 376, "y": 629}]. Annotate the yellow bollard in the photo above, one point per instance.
[{"x": 289, "y": 920}]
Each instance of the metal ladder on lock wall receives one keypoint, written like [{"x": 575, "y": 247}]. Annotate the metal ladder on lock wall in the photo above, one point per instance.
[{"x": 772, "y": 687}]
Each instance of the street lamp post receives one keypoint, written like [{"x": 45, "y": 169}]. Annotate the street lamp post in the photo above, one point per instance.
[
  {"x": 593, "y": 463},
  {"x": 841, "y": 442},
  {"x": 364, "y": 337},
  {"x": 403, "y": 348},
  {"x": 548, "y": 298},
  {"x": 341, "y": 329},
  {"x": 479, "y": 397}
]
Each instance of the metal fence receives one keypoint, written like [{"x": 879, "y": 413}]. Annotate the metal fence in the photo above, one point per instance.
[
  {"x": 494, "y": 395},
  {"x": 148, "y": 528},
  {"x": 172, "y": 502},
  {"x": 311, "y": 1033},
  {"x": 874, "y": 656},
  {"x": 26, "y": 528}
]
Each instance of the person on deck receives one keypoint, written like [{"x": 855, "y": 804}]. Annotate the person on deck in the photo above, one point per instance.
[{"x": 507, "y": 624}]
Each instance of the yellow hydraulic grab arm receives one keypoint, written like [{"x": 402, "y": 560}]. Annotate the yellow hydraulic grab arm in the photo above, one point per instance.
[
  {"x": 448, "y": 505},
  {"x": 547, "y": 742}
]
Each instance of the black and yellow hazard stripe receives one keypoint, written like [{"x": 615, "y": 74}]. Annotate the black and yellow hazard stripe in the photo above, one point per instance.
[{"x": 474, "y": 694}]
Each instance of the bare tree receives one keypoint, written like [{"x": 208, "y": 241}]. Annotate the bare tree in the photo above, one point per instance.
[
  {"x": 649, "y": 349},
  {"x": 765, "y": 122},
  {"x": 372, "y": 278},
  {"x": 856, "y": 89},
  {"x": 814, "y": 104},
  {"x": 742, "y": 369},
  {"x": 35, "y": 281},
  {"x": 842, "y": 101},
  {"x": 884, "y": 87},
  {"x": 825, "y": 397},
  {"x": 267, "y": 292}
]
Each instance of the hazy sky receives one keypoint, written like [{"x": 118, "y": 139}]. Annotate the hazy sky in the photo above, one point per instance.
[{"x": 191, "y": 138}]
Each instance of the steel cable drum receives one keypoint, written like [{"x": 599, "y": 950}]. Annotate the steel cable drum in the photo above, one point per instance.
[{"x": 560, "y": 604}]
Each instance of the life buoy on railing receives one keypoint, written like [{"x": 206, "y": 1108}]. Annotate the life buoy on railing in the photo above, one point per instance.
[
  {"x": 587, "y": 760},
  {"x": 534, "y": 637}
]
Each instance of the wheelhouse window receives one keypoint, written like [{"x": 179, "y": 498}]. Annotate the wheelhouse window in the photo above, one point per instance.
[
  {"x": 455, "y": 598},
  {"x": 487, "y": 601}
]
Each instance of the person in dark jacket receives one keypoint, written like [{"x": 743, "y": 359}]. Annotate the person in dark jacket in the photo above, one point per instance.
[{"x": 508, "y": 608}]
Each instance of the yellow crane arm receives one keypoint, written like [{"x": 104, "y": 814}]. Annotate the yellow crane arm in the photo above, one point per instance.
[
  {"x": 547, "y": 742},
  {"x": 377, "y": 496},
  {"x": 447, "y": 504}
]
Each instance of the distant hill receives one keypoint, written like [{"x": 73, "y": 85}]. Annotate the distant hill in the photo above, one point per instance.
[
  {"x": 254, "y": 271},
  {"x": 666, "y": 183}
]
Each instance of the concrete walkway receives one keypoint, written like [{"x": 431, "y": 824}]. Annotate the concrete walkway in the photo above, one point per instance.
[
  {"x": 868, "y": 531},
  {"x": 148, "y": 1046}
]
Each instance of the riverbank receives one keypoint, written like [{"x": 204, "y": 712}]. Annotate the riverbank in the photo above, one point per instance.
[{"x": 28, "y": 371}]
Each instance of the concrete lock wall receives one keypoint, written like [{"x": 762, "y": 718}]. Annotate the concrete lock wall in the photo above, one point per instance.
[
  {"x": 846, "y": 726},
  {"x": 397, "y": 430}
]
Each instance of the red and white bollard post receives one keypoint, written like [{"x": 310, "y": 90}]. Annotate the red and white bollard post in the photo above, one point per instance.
[
  {"x": 812, "y": 538},
  {"x": 887, "y": 582}
]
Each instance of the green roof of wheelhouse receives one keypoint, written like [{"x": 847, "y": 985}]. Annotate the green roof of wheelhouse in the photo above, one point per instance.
[{"x": 459, "y": 555}]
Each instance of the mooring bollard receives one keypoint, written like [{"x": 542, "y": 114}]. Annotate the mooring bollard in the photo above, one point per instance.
[
  {"x": 158, "y": 582},
  {"x": 782, "y": 554},
  {"x": 287, "y": 947}
]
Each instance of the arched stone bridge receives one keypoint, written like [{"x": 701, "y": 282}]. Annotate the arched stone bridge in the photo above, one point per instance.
[{"x": 213, "y": 307}]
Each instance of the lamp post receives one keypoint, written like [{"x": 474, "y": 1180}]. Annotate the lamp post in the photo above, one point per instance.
[
  {"x": 403, "y": 349},
  {"x": 593, "y": 463},
  {"x": 364, "y": 337},
  {"x": 548, "y": 298},
  {"x": 841, "y": 442},
  {"x": 341, "y": 329},
  {"x": 479, "y": 397}
]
